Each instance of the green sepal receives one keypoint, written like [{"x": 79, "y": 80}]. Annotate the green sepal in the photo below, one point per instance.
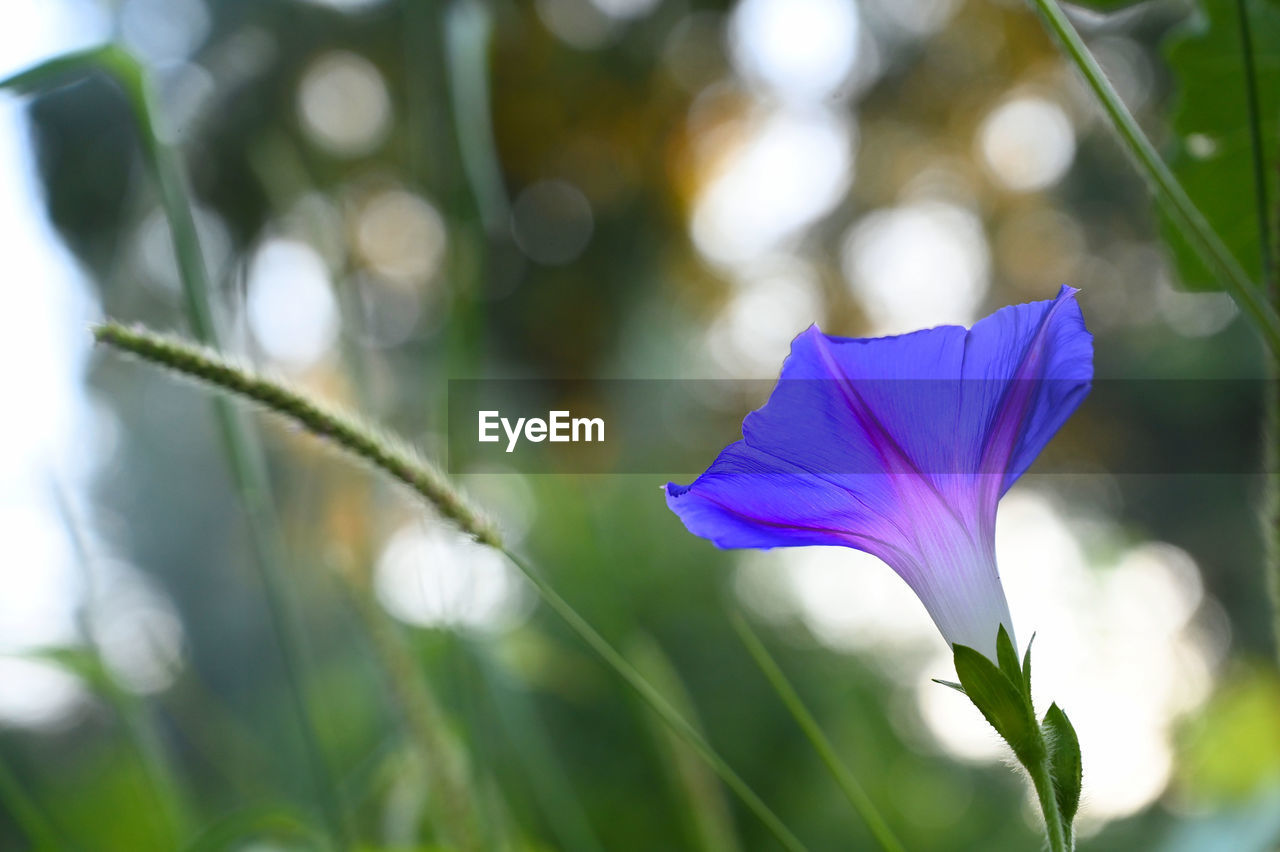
[
  {"x": 1007, "y": 657},
  {"x": 951, "y": 683},
  {"x": 1001, "y": 702},
  {"x": 1026, "y": 668},
  {"x": 1064, "y": 762}
]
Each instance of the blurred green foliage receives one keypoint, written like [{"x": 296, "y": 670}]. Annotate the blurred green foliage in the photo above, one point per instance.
[
  {"x": 557, "y": 753},
  {"x": 1214, "y": 152}
]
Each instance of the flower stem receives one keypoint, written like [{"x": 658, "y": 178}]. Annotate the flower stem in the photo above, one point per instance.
[
  {"x": 1042, "y": 778},
  {"x": 1168, "y": 191},
  {"x": 394, "y": 458}
]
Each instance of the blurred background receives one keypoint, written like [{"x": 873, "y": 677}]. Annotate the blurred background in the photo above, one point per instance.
[{"x": 393, "y": 193}]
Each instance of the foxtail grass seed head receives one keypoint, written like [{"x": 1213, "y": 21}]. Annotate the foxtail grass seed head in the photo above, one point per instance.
[{"x": 342, "y": 429}]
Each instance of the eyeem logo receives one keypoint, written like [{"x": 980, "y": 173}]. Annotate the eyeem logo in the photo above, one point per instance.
[{"x": 559, "y": 427}]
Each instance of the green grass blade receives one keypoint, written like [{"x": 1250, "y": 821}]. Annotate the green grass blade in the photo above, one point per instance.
[
  {"x": 1262, "y": 206},
  {"x": 167, "y": 788},
  {"x": 467, "y": 30},
  {"x": 712, "y": 823},
  {"x": 451, "y": 798},
  {"x": 551, "y": 785},
  {"x": 813, "y": 731}
]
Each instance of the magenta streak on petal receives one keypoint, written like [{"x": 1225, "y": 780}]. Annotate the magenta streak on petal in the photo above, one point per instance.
[
  {"x": 899, "y": 461},
  {"x": 878, "y": 547},
  {"x": 1010, "y": 421}
]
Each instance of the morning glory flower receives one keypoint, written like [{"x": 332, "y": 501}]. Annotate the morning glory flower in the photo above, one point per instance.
[{"x": 902, "y": 447}]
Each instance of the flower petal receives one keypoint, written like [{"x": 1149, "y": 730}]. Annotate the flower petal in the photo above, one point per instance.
[
  {"x": 1026, "y": 370},
  {"x": 750, "y": 498},
  {"x": 902, "y": 447}
]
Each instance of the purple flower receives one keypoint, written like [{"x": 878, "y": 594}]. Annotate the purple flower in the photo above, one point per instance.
[{"x": 902, "y": 447}]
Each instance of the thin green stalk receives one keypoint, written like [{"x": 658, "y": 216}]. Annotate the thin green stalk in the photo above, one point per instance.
[
  {"x": 248, "y": 471},
  {"x": 423, "y": 718},
  {"x": 1271, "y": 509},
  {"x": 1042, "y": 778},
  {"x": 436, "y": 163},
  {"x": 248, "y": 474},
  {"x": 1262, "y": 205},
  {"x": 1190, "y": 221},
  {"x": 166, "y": 787},
  {"x": 710, "y": 820},
  {"x": 844, "y": 777},
  {"x": 26, "y": 813},
  {"x": 551, "y": 786},
  {"x": 397, "y": 460},
  {"x": 467, "y": 28},
  {"x": 656, "y": 702}
]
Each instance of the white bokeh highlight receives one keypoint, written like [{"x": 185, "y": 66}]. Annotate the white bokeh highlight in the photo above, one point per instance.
[
  {"x": 788, "y": 170},
  {"x": 430, "y": 576},
  {"x": 343, "y": 104},
  {"x": 135, "y": 628},
  {"x": 1027, "y": 143},
  {"x": 800, "y": 50},
  {"x": 920, "y": 264},
  {"x": 291, "y": 309},
  {"x": 771, "y": 302},
  {"x": 401, "y": 236}
]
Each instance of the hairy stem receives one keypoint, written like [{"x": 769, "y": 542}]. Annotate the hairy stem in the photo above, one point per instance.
[
  {"x": 1169, "y": 192},
  {"x": 1042, "y": 778},
  {"x": 394, "y": 458}
]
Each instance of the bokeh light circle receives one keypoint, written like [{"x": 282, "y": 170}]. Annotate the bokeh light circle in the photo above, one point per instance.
[
  {"x": 1027, "y": 143},
  {"x": 343, "y": 104}
]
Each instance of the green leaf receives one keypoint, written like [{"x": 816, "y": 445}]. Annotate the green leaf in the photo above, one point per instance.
[
  {"x": 1213, "y": 157},
  {"x": 71, "y": 68},
  {"x": 1000, "y": 702},
  {"x": 1064, "y": 761},
  {"x": 1007, "y": 656}
]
